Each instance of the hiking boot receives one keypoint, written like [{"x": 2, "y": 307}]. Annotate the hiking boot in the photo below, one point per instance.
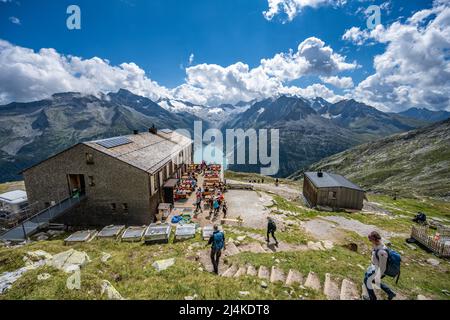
[
  {"x": 391, "y": 296},
  {"x": 276, "y": 244}
]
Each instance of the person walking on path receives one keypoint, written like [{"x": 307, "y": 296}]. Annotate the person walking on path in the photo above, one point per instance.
[
  {"x": 198, "y": 205},
  {"x": 377, "y": 269},
  {"x": 216, "y": 206},
  {"x": 224, "y": 209},
  {"x": 217, "y": 242},
  {"x": 271, "y": 228}
]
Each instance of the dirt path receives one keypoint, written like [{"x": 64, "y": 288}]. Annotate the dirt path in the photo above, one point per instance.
[
  {"x": 282, "y": 190},
  {"x": 332, "y": 228}
]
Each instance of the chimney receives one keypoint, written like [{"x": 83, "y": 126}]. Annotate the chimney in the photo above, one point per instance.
[
  {"x": 153, "y": 129},
  {"x": 135, "y": 131},
  {"x": 320, "y": 173}
]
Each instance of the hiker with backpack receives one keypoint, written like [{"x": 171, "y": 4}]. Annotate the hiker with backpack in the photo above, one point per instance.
[
  {"x": 271, "y": 228},
  {"x": 216, "y": 206},
  {"x": 198, "y": 205},
  {"x": 385, "y": 262},
  {"x": 217, "y": 242}
]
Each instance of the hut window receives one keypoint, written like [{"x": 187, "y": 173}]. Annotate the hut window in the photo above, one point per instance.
[
  {"x": 332, "y": 195},
  {"x": 125, "y": 207},
  {"x": 89, "y": 158},
  {"x": 91, "y": 181},
  {"x": 113, "y": 207}
]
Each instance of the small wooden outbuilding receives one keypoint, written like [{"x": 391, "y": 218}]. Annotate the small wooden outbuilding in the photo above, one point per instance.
[{"x": 332, "y": 190}]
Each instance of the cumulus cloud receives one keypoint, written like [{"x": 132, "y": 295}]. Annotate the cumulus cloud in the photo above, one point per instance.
[
  {"x": 27, "y": 75},
  {"x": 291, "y": 8},
  {"x": 312, "y": 58},
  {"x": 342, "y": 83},
  {"x": 414, "y": 70},
  {"x": 214, "y": 84}
]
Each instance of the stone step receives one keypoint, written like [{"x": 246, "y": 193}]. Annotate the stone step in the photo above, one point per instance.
[
  {"x": 313, "y": 281},
  {"x": 251, "y": 271},
  {"x": 349, "y": 291},
  {"x": 331, "y": 288},
  {"x": 241, "y": 271},
  {"x": 231, "y": 249},
  {"x": 294, "y": 277},
  {"x": 263, "y": 273},
  {"x": 254, "y": 247},
  {"x": 256, "y": 236},
  {"x": 230, "y": 272},
  {"x": 276, "y": 275}
]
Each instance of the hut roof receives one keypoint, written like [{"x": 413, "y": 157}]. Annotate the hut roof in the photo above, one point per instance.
[
  {"x": 329, "y": 180},
  {"x": 146, "y": 151}
]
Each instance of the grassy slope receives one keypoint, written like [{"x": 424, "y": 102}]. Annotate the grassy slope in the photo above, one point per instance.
[
  {"x": 130, "y": 270},
  {"x": 413, "y": 164}
]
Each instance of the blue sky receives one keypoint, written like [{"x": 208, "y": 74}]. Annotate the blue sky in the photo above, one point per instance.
[{"x": 160, "y": 35}]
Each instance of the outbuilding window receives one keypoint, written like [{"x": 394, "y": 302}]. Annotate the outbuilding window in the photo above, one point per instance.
[
  {"x": 332, "y": 195},
  {"x": 89, "y": 158}
]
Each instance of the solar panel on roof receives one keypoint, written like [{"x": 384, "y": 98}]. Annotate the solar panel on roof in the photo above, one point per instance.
[{"x": 114, "y": 142}]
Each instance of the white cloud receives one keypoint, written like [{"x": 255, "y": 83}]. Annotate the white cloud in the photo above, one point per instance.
[
  {"x": 360, "y": 37},
  {"x": 191, "y": 59},
  {"x": 213, "y": 84},
  {"x": 27, "y": 75},
  {"x": 414, "y": 70},
  {"x": 293, "y": 7},
  {"x": 312, "y": 58},
  {"x": 313, "y": 91},
  {"x": 15, "y": 20},
  {"x": 342, "y": 83}
]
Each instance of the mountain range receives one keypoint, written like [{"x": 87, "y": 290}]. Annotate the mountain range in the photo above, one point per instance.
[
  {"x": 31, "y": 132},
  {"x": 310, "y": 129}
]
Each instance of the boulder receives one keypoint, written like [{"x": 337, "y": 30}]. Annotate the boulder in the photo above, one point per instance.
[
  {"x": 161, "y": 265},
  {"x": 105, "y": 257},
  {"x": 110, "y": 291},
  {"x": 327, "y": 244},
  {"x": 433, "y": 262},
  {"x": 39, "y": 255},
  {"x": 69, "y": 261}
]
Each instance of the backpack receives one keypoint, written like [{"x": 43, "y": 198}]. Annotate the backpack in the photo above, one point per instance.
[
  {"x": 272, "y": 226},
  {"x": 218, "y": 240},
  {"x": 393, "y": 263}
]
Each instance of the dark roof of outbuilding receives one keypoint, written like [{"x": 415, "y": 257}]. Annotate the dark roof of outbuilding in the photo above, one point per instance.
[{"x": 329, "y": 180}]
